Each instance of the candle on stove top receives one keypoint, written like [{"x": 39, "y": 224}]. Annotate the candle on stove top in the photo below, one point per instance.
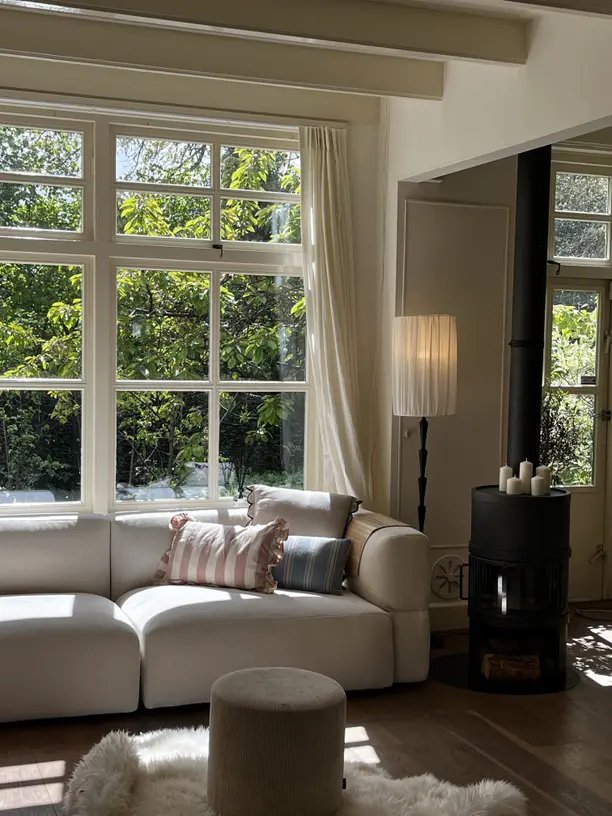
[
  {"x": 514, "y": 486},
  {"x": 505, "y": 473},
  {"x": 545, "y": 473},
  {"x": 538, "y": 486},
  {"x": 525, "y": 474}
]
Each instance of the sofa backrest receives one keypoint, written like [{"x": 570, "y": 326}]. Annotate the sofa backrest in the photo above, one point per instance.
[
  {"x": 138, "y": 541},
  {"x": 54, "y": 554}
]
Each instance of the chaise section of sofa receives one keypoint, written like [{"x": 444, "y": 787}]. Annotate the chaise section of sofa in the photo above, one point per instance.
[{"x": 65, "y": 648}]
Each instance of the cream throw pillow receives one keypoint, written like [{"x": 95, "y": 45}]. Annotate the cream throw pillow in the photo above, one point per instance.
[{"x": 307, "y": 512}]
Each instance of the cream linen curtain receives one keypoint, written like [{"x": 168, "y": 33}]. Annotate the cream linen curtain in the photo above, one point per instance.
[{"x": 330, "y": 283}]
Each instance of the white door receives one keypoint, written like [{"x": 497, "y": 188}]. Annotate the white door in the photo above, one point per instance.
[{"x": 575, "y": 419}]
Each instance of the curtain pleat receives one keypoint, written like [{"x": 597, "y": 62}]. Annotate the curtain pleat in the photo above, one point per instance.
[{"x": 330, "y": 283}]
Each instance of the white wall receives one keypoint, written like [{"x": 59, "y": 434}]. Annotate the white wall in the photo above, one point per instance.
[
  {"x": 458, "y": 260},
  {"x": 489, "y": 112}
]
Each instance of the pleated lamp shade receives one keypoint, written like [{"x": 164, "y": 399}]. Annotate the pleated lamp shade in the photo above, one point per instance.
[{"x": 424, "y": 365}]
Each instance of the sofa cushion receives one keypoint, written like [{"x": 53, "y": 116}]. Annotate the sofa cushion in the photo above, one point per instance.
[
  {"x": 191, "y": 635},
  {"x": 139, "y": 540},
  {"x": 67, "y": 553},
  {"x": 307, "y": 512},
  {"x": 66, "y": 655}
]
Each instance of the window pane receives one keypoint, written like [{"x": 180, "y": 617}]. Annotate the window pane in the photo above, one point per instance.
[
  {"x": 40, "y": 206},
  {"x": 162, "y": 325},
  {"x": 576, "y": 192},
  {"x": 163, "y": 162},
  {"x": 40, "y": 320},
  {"x": 41, "y": 152},
  {"x": 247, "y": 168},
  {"x": 163, "y": 215},
  {"x": 567, "y": 437},
  {"x": 574, "y": 337},
  {"x": 260, "y": 221},
  {"x": 263, "y": 328},
  {"x": 40, "y": 446},
  {"x": 581, "y": 239},
  {"x": 261, "y": 440},
  {"x": 162, "y": 445}
]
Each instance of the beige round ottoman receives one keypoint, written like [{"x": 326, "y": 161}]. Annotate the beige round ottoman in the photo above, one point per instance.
[{"x": 276, "y": 743}]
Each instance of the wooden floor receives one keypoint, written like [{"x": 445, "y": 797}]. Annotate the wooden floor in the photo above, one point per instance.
[{"x": 556, "y": 748}]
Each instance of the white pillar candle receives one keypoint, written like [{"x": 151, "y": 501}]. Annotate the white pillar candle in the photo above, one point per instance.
[
  {"x": 538, "y": 486},
  {"x": 505, "y": 473},
  {"x": 525, "y": 474},
  {"x": 514, "y": 486},
  {"x": 545, "y": 473}
]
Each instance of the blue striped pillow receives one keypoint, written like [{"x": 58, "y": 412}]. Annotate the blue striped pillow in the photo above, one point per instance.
[{"x": 313, "y": 564}]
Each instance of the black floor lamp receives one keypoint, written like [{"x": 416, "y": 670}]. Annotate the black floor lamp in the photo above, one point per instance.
[{"x": 424, "y": 378}]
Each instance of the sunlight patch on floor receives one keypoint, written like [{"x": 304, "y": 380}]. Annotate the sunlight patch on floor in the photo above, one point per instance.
[
  {"x": 56, "y": 792},
  {"x": 361, "y": 753},
  {"x": 355, "y": 733},
  {"x": 19, "y": 773},
  {"x": 358, "y": 748},
  {"x": 52, "y": 770},
  {"x": 26, "y": 797},
  {"x": 591, "y": 654}
]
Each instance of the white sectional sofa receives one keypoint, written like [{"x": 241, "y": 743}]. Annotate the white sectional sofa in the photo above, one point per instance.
[{"x": 83, "y": 631}]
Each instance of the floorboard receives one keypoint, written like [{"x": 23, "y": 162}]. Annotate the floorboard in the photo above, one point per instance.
[{"x": 557, "y": 748}]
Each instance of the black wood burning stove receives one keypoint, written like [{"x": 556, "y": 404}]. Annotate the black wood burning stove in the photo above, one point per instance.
[
  {"x": 518, "y": 583},
  {"x": 519, "y": 547}
]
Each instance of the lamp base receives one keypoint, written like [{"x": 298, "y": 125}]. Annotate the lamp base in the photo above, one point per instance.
[{"x": 422, "y": 480}]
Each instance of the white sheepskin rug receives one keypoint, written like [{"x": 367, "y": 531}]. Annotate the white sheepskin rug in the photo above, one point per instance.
[{"x": 163, "y": 773}]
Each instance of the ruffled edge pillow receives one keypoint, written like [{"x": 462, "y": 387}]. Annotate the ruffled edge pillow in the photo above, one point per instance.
[{"x": 212, "y": 554}]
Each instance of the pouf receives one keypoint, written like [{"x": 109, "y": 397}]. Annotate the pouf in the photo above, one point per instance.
[{"x": 276, "y": 743}]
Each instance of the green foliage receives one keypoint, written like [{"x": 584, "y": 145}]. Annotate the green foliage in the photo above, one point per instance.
[
  {"x": 567, "y": 419},
  {"x": 162, "y": 325},
  {"x": 566, "y": 439},
  {"x": 579, "y": 193}
]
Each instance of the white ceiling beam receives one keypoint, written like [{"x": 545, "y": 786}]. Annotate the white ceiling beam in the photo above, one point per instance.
[
  {"x": 421, "y": 30},
  {"x": 78, "y": 39},
  {"x": 585, "y": 6}
]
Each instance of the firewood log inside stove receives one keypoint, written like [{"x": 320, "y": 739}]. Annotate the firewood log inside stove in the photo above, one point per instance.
[{"x": 498, "y": 667}]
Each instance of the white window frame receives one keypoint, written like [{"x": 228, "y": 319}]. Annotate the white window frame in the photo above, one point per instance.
[
  {"x": 101, "y": 251},
  {"x": 567, "y": 162}
]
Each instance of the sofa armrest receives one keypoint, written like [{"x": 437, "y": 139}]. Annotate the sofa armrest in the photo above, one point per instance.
[
  {"x": 389, "y": 568},
  {"x": 393, "y": 570}
]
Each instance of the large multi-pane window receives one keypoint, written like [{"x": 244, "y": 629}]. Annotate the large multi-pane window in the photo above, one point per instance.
[{"x": 152, "y": 312}]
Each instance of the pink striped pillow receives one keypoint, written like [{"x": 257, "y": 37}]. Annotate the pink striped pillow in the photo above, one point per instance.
[{"x": 239, "y": 557}]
